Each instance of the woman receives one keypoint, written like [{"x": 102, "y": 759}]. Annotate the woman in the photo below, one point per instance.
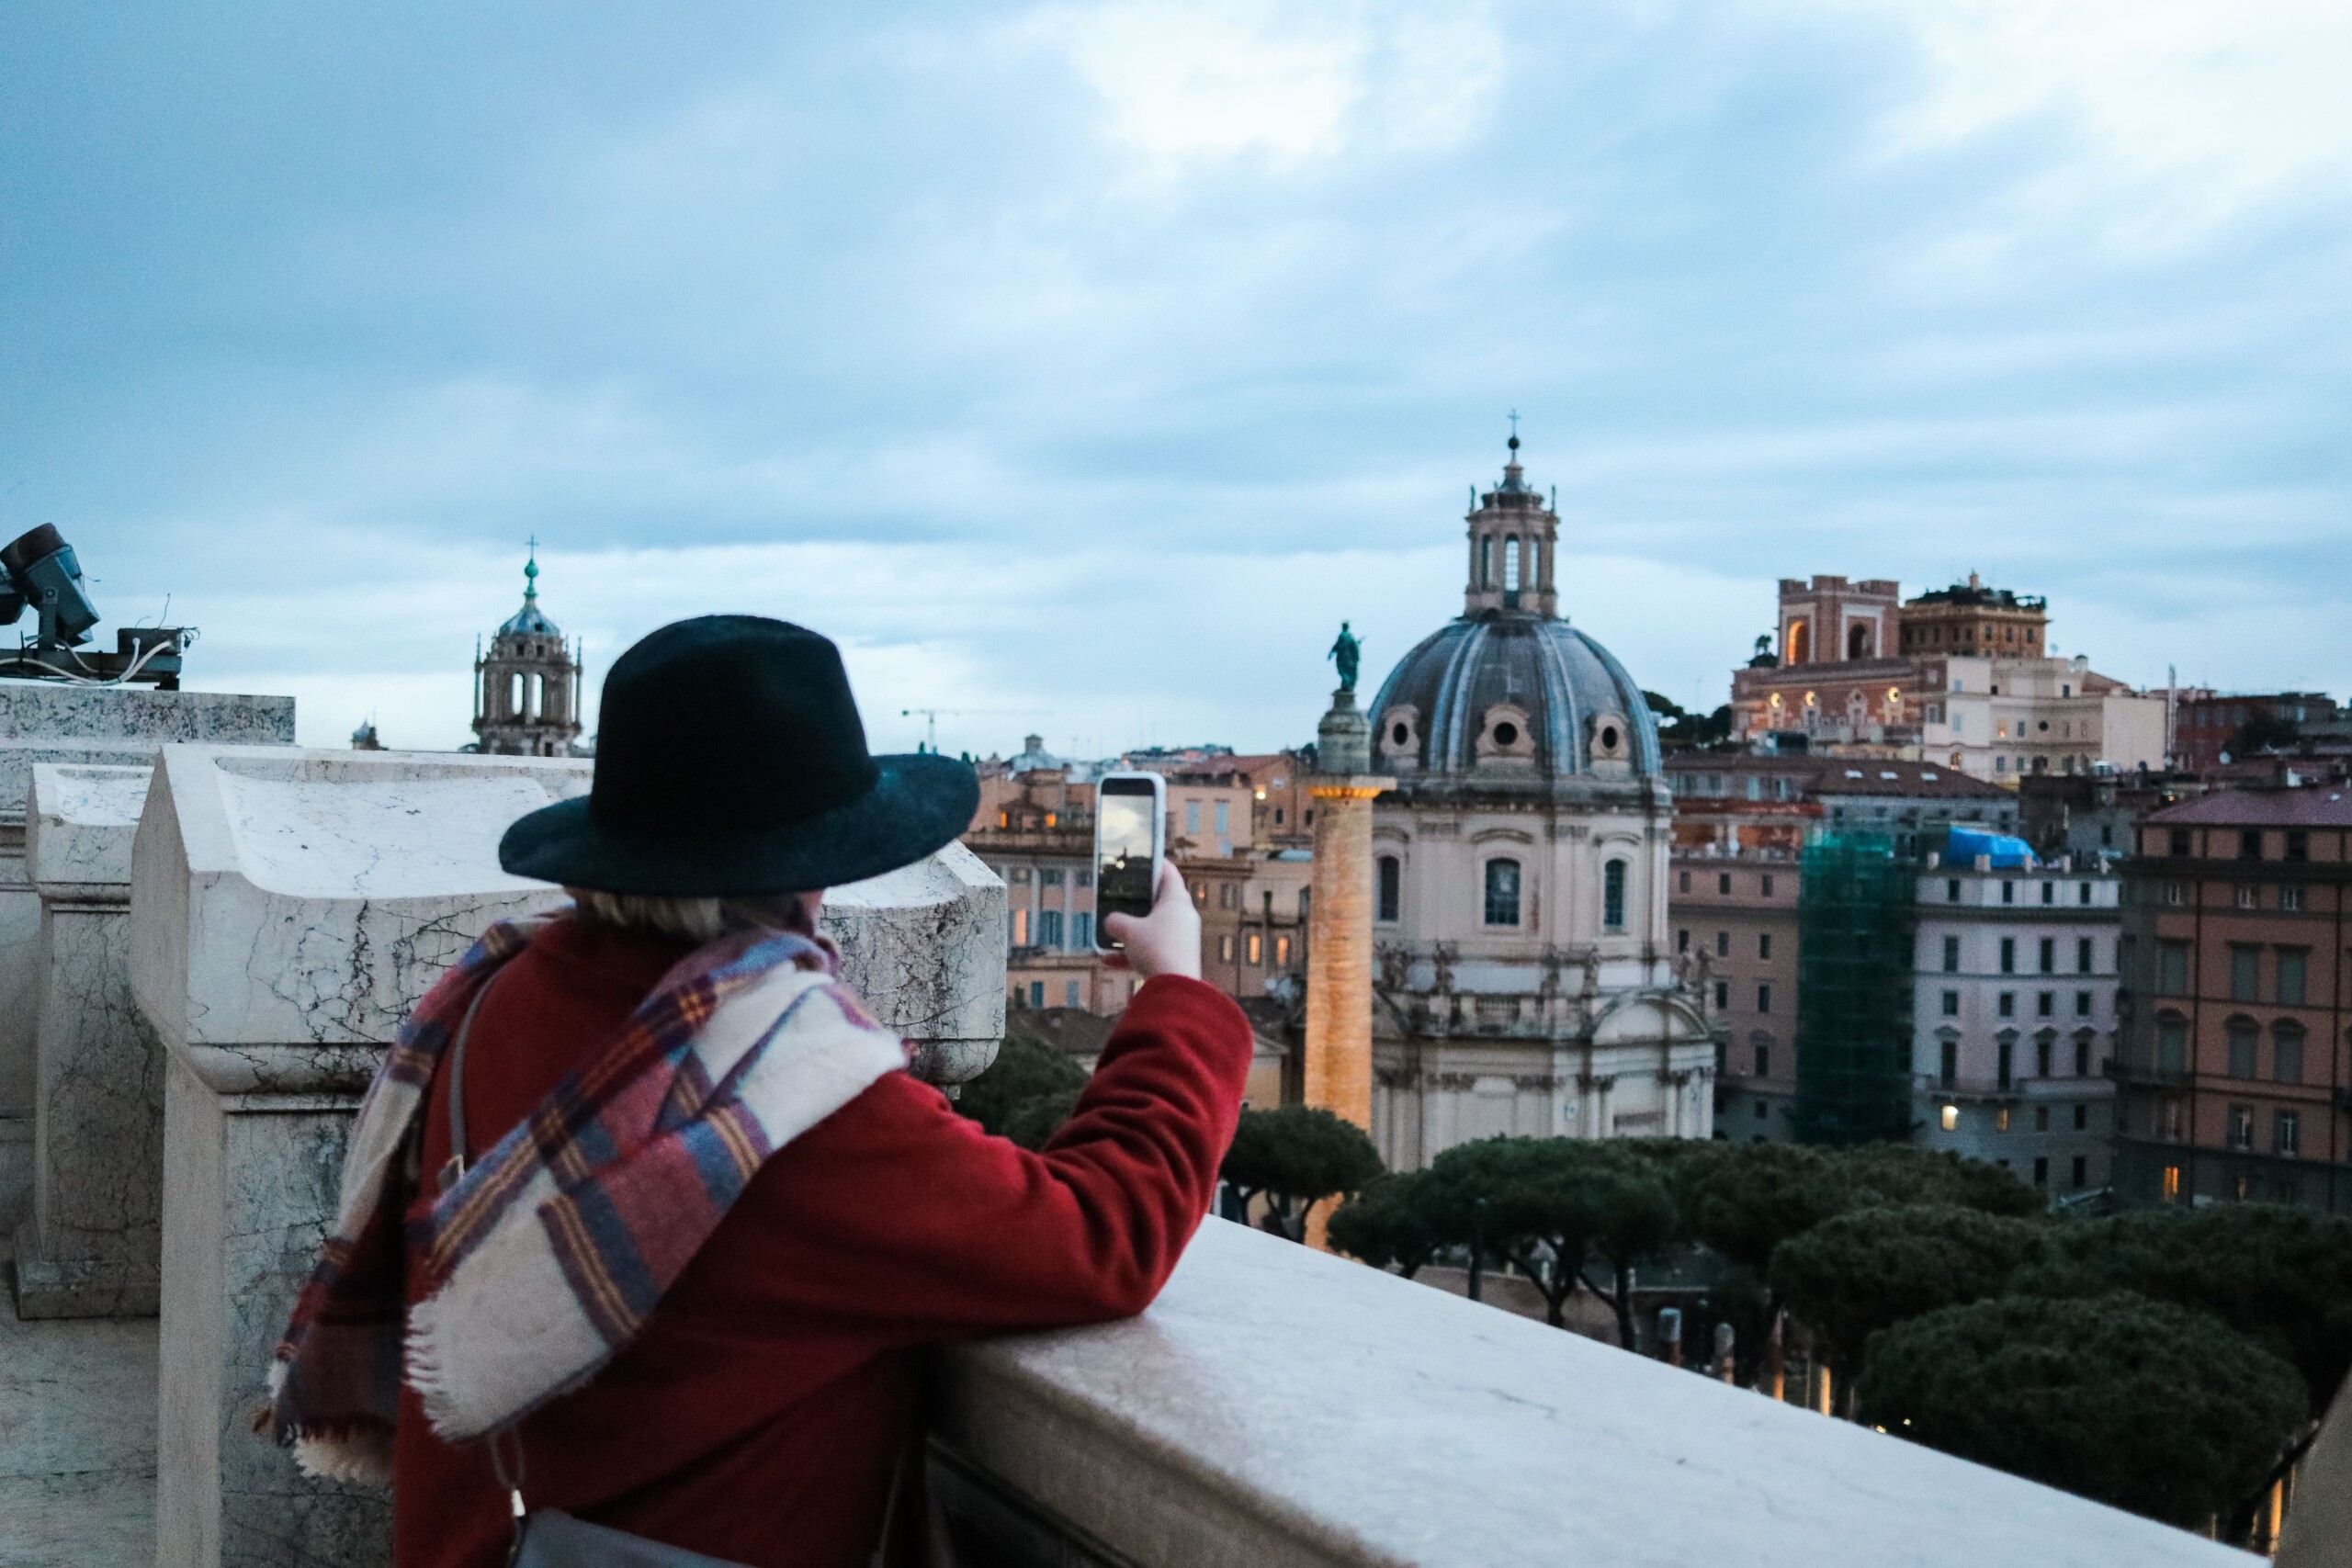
[{"x": 664, "y": 1260}]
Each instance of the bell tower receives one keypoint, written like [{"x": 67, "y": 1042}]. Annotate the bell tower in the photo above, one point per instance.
[
  {"x": 1512, "y": 536},
  {"x": 526, "y": 688}
]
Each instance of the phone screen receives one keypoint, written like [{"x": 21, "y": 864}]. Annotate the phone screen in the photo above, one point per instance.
[{"x": 1126, "y": 812}]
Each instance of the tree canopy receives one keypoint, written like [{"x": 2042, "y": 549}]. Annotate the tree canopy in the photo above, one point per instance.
[
  {"x": 2280, "y": 1276},
  {"x": 1027, "y": 1092},
  {"x": 2144, "y": 1404},
  {"x": 1395, "y": 1223},
  {"x": 1864, "y": 1271},
  {"x": 1295, "y": 1156}
]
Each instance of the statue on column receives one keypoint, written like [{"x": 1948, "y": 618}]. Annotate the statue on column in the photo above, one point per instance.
[{"x": 1347, "y": 653}]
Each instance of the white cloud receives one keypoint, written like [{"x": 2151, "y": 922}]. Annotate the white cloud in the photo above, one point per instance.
[{"x": 1293, "y": 80}]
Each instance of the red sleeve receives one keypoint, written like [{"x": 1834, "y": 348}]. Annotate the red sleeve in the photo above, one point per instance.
[{"x": 896, "y": 1210}]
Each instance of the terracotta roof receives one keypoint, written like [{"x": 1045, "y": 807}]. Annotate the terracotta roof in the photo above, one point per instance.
[
  {"x": 1887, "y": 775},
  {"x": 1074, "y": 1029},
  {"x": 2328, "y": 805}
]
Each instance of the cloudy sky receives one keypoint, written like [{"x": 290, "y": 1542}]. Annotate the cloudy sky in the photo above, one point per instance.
[{"x": 1081, "y": 366}]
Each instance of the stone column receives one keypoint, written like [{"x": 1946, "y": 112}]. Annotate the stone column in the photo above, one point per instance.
[
  {"x": 289, "y": 909},
  {"x": 50, "y": 721},
  {"x": 98, "y": 1093},
  {"x": 1337, "y": 1069}
]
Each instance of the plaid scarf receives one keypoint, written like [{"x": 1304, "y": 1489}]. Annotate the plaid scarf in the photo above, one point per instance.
[{"x": 546, "y": 1257}]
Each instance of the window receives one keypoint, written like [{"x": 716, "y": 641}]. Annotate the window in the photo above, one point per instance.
[
  {"x": 1282, "y": 952},
  {"x": 1682, "y": 940},
  {"x": 1225, "y": 949},
  {"x": 2081, "y": 1166},
  {"x": 2049, "y": 954},
  {"x": 2171, "y": 1043},
  {"x": 1722, "y": 995},
  {"x": 1049, "y": 877},
  {"x": 1049, "y": 927},
  {"x": 2168, "y": 1185},
  {"x": 1766, "y": 885},
  {"x": 2041, "y": 1170},
  {"x": 1502, "y": 892},
  {"x": 1949, "y": 1069},
  {"x": 2042, "y": 1044},
  {"x": 2246, "y": 972},
  {"x": 1952, "y": 1004},
  {"x": 2045, "y": 1004},
  {"x": 2287, "y": 1133},
  {"x": 1069, "y": 993},
  {"x": 2083, "y": 963},
  {"x": 2290, "y": 899},
  {"x": 1612, "y": 895},
  {"x": 1257, "y": 948},
  {"x": 1306, "y": 904},
  {"x": 1952, "y": 889},
  {"x": 1951, "y": 1116},
  {"x": 1223, "y": 810},
  {"x": 1020, "y": 876},
  {"x": 1764, "y": 944},
  {"x": 1763, "y": 1061},
  {"x": 2008, "y": 1006},
  {"x": 2248, "y": 895},
  {"x": 2172, "y": 969},
  {"x": 1229, "y": 896},
  {"x": 1084, "y": 878},
  {"x": 1511, "y": 564},
  {"x": 2287, "y": 1051},
  {"x": 1392, "y": 888},
  {"x": 1683, "y": 885},
  {"x": 2249, "y": 843},
  {"x": 2009, "y": 892},
  {"x": 1192, "y": 816},
  {"x": 2006, "y": 1069},
  {"x": 1020, "y": 927},
  {"x": 1081, "y": 929},
  {"x": 2050, "y": 893},
  {"x": 1722, "y": 883},
  {"x": 2176, "y": 893},
  {"x": 2243, "y": 1038},
  {"x": 2008, "y": 956},
  {"x": 2298, "y": 844},
  {"x": 2041, "y": 1119},
  {"x": 2082, "y": 1004},
  {"x": 1723, "y": 945},
  {"x": 2181, "y": 844},
  {"x": 1763, "y": 999},
  {"x": 2001, "y": 1125},
  {"x": 2291, "y": 966},
  {"x": 1037, "y": 993},
  {"x": 2083, "y": 894},
  {"x": 2241, "y": 1127},
  {"x": 2082, "y": 1063},
  {"x": 1951, "y": 955},
  {"x": 2082, "y": 1118}
]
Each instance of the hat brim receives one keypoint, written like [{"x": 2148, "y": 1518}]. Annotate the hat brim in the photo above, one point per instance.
[{"x": 920, "y": 802}]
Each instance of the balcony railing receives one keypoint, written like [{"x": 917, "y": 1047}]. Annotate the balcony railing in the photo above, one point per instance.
[{"x": 1280, "y": 1408}]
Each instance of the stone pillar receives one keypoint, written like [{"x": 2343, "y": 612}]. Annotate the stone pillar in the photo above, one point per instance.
[
  {"x": 91, "y": 1249},
  {"x": 288, "y": 911},
  {"x": 50, "y": 721},
  {"x": 1337, "y": 1070}
]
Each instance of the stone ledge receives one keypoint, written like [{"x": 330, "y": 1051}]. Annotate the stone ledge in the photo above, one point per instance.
[
  {"x": 46, "y": 1289},
  {"x": 1278, "y": 1406}
]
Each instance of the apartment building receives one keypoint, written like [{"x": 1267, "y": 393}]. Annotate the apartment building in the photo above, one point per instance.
[
  {"x": 1734, "y": 922},
  {"x": 2013, "y": 1014},
  {"x": 2232, "y": 1070}
]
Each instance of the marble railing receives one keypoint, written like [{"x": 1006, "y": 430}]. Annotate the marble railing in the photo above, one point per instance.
[{"x": 1281, "y": 1408}]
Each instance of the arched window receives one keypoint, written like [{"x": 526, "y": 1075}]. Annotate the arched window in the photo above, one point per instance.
[
  {"x": 1486, "y": 561},
  {"x": 2287, "y": 1051},
  {"x": 1502, "y": 893},
  {"x": 538, "y": 697},
  {"x": 1800, "y": 641},
  {"x": 1612, "y": 895},
  {"x": 1392, "y": 888},
  {"x": 514, "y": 694},
  {"x": 2244, "y": 1044},
  {"x": 1511, "y": 564},
  {"x": 1858, "y": 641}
]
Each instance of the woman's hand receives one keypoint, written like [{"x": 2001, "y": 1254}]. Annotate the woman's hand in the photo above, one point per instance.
[{"x": 1167, "y": 941}]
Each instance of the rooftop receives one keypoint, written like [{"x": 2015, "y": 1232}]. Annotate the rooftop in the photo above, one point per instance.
[{"x": 2314, "y": 806}]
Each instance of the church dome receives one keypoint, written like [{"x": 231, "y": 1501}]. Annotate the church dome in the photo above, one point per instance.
[
  {"x": 530, "y": 620},
  {"x": 1510, "y": 688}
]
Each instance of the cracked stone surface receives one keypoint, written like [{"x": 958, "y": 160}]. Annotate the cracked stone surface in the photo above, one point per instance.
[{"x": 77, "y": 1444}]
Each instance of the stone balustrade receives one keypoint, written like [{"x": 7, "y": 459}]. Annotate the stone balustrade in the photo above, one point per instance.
[
  {"x": 1281, "y": 1408},
  {"x": 289, "y": 909}
]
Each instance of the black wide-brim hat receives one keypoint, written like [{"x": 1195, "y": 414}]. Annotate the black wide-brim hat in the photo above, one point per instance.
[{"x": 730, "y": 762}]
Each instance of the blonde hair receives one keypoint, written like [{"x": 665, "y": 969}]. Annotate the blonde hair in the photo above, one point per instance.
[{"x": 692, "y": 919}]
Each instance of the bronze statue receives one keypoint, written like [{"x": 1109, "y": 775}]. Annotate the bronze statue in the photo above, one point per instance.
[{"x": 1347, "y": 653}]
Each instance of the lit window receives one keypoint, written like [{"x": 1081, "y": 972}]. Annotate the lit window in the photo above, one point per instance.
[
  {"x": 1952, "y": 1118},
  {"x": 1257, "y": 948},
  {"x": 1282, "y": 952}
]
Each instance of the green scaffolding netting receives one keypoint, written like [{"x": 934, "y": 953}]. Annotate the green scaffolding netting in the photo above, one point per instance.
[{"x": 1856, "y": 922}]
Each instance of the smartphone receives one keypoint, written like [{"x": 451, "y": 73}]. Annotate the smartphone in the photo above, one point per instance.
[{"x": 1130, "y": 835}]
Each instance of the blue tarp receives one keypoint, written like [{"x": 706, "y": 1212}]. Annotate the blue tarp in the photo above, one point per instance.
[{"x": 1962, "y": 845}]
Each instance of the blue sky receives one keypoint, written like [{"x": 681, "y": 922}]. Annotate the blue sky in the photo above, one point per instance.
[{"x": 1079, "y": 368}]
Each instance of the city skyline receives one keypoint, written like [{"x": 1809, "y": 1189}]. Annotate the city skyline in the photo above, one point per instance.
[{"x": 925, "y": 330}]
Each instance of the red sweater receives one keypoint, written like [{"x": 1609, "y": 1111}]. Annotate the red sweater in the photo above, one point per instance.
[{"x": 760, "y": 1413}]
